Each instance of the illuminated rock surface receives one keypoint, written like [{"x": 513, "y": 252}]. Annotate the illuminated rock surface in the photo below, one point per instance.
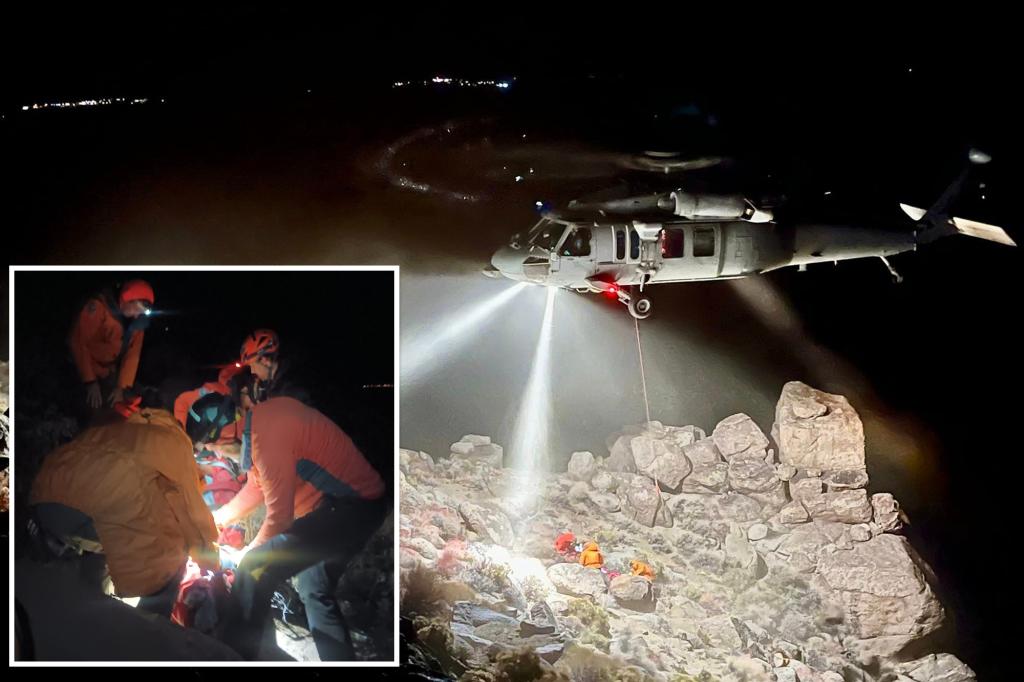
[{"x": 797, "y": 576}]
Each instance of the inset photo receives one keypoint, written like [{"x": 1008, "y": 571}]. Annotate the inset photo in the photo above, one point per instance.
[{"x": 203, "y": 465}]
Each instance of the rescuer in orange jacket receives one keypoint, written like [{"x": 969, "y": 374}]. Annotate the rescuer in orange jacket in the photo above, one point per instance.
[
  {"x": 106, "y": 341},
  {"x": 324, "y": 501},
  {"x": 641, "y": 569},
  {"x": 260, "y": 354},
  {"x": 564, "y": 543},
  {"x": 591, "y": 557}
]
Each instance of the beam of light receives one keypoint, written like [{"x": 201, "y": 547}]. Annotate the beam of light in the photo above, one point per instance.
[
  {"x": 426, "y": 349},
  {"x": 530, "y": 443}
]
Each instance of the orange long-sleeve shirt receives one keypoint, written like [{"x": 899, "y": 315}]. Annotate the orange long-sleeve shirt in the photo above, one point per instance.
[
  {"x": 97, "y": 339},
  {"x": 298, "y": 456}
]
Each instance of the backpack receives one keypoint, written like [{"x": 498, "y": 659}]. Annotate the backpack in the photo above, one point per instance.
[{"x": 222, "y": 480}]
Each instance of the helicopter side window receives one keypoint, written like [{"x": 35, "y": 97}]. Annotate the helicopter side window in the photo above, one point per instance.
[
  {"x": 577, "y": 243},
  {"x": 634, "y": 245},
  {"x": 672, "y": 246},
  {"x": 703, "y": 242},
  {"x": 547, "y": 237},
  {"x": 620, "y": 244}
]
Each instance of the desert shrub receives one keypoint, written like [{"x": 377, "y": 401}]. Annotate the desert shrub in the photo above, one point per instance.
[
  {"x": 522, "y": 666},
  {"x": 421, "y": 592}
]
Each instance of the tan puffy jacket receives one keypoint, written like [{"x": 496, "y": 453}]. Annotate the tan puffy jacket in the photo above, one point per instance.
[{"x": 138, "y": 481}]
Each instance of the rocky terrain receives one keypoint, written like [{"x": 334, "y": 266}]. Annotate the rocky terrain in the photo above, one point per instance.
[{"x": 772, "y": 559}]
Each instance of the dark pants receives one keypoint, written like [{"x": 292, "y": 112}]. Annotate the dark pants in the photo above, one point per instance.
[
  {"x": 162, "y": 603},
  {"x": 67, "y": 528},
  {"x": 334, "y": 532}
]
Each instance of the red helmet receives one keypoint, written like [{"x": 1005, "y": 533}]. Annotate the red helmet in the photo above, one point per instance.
[
  {"x": 137, "y": 290},
  {"x": 261, "y": 342}
]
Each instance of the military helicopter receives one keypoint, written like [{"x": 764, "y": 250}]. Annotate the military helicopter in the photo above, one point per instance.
[{"x": 620, "y": 246}]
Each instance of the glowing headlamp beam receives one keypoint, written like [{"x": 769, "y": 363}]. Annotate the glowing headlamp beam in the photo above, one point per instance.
[{"x": 425, "y": 351}]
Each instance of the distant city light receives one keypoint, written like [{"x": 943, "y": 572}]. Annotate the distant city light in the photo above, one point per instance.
[
  {"x": 457, "y": 82},
  {"x": 106, "y": 101}
]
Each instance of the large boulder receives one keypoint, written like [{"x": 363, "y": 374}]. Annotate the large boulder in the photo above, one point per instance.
[
  {"x": 473, "y": 448},
  {"x": 845, "y": 506},
  {"x": 683, "y": 436},
  {"x": 491, "y": 524},
  {"x": 937, "y": 668},
  {"x": 642, "y": 502},
  {"x": 620, "y": 455},
  {"x": 661, "y": 460},
  {"x": 653, "y": 450},
  {"x": 752, "y": 476},
  {"x": 707, "y": 479},
  {"x": 804, "y": 487},
  {"x": 702, "y": 452},
  {"x": 817, "y": 430},
  {"x": 882, "y": 588},
  {"x": 577, "y": 581},
  {"x": 738, "y": 435},
  {"x": 582, "y": 466},
  {"x": 632, "y": 592}
]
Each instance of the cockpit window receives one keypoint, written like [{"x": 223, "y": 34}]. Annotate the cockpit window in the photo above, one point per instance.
[
  {"x": 547, "y": 235},
  {"x": 577, "y": 243}
]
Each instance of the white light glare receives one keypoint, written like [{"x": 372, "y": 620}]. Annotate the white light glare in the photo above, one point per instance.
[{"x": 425, "y": 348}]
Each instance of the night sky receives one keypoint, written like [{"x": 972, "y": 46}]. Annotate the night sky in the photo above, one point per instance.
[{"x": 268, "y": 149}]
